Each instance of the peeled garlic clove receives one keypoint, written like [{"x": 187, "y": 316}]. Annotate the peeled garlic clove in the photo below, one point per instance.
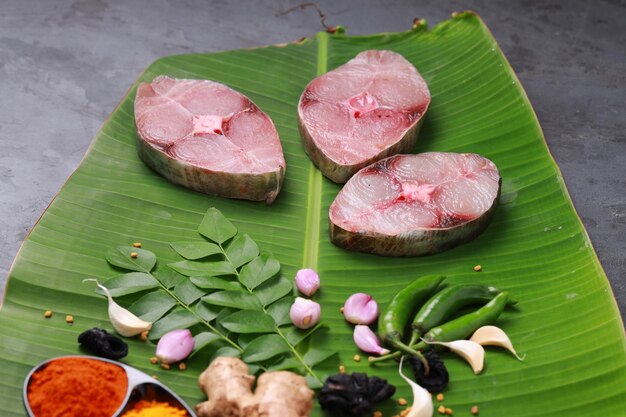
[
  {"x": 422, "y": 400},
  {"x": 472, "y": 352},
  {"x": 124, "y": 322},
  {"x": 494, "y": 336}
]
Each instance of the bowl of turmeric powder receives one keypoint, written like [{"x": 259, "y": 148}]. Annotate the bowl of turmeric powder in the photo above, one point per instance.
[{"x": 88, "y": 385}]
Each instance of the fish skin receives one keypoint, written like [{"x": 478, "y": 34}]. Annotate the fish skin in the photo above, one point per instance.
[
  {"x": 391, "y": 99},
  {"x": 417, "y": 241},
  {"x": 216, "y": 141}
]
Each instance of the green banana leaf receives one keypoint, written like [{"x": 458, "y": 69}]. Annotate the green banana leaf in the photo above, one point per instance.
[{"x": 566, "y": 323}]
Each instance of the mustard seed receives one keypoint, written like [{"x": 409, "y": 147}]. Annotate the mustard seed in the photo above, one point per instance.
[
  {"x": 69, "y": 319},
  {"x": 342, "y": 369},
  {"x": 402, "y": 401},
  {"x": 478, "y": 268},
  {"x": 133, "y": 255},
  {"x": 165, "y": 366},
  {"x": 439, "y": 397},
  {"x": 154, "y": 360},
  {"x": 182, "y": 366},
  {"x": 474, "y": 410},
  {"x": 377, "y": 413},
  {"x": 357, "y": 358},
  {"x": 441, "y": 409},
  {"x": 143, "y": 336},
  {"x": 47, "y": 314},
  {"x": 137, "y": 244},
  {"x": 449, "y": 411}
]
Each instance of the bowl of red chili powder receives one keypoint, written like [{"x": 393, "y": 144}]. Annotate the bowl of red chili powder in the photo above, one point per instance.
[
  {"x": 87, "y": 386},
  {"x": 76, "y": 386}
]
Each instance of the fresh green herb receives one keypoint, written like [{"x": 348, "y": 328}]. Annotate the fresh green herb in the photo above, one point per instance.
[{"x": 226, "y": 285}]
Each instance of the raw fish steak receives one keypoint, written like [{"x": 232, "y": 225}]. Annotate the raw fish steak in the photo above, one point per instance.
[
  {"x": 363, "y": 111},
  {"x": 208, "y": 137},
  {"x": 410, "y": 205}
]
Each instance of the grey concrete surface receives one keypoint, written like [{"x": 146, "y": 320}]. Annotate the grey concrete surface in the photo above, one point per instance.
[{"x": 65, "y": 64}]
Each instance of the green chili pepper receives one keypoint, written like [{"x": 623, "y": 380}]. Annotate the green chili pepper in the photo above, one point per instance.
[
  {"x": 464, "y": 326},
  {"x": 441, "y": 306},
  {"x": 396, "y": 316}
]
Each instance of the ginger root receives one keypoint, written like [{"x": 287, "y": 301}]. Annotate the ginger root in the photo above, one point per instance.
[{"x": 229, "y": 390}]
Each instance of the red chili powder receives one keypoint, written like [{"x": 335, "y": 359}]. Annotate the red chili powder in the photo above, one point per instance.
[{"x": 78, "y": 387}]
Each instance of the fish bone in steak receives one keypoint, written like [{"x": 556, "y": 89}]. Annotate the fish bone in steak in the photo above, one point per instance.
[
  {"x": 363, "y": 111},
  {"x": 410, "y": 205},
  {"x": 208, "y": 137}
]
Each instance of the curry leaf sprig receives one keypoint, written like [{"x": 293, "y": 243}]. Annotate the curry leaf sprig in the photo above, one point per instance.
[{"x": 226, "y": 287}]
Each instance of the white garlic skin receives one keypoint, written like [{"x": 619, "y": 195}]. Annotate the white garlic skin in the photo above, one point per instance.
[
  {"x": 494, "y": 336},
  {"x": 422, "y": 399},
  {"x": 123, "y": 321},
  {"x": 472, "y": 352}
]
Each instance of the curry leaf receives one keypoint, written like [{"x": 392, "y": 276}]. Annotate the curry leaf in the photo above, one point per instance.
[
  {"x": 241, "y": 250},
  {"x": 131, "y": 258},
  {"x": 233, "y": 311},
  {"x": 273, "y": 289},
  {"x": 187, "y": 292},
  {"x": 216, "y": 227},
  {"x": 179, "y": 319},
  {"x": 190, "y": 268},
  {"x": 153, "y": 305},
  {"x": 259, "y": 270},
  {"x": 245, "y": 338},
  {"x": 202, "y": 340},
  {"x": 316, "y": 382},
  {"x": 235, "y": 299},
  {"x": 168, "y": 277},
  {"x": 224, "y": 312},
  {"x": 295, "y": 336},
  {"x": 214, "y": 283},
  {"x": 264, "y": 347},
  {"x": 249, "y": 321},
  {"x": 206, "y": 312},
  {"x": 129, "y": 283},
  {"x": 195, "y": 250},
  {"x": 227, "y": 351},
  {"x": 285, "y": 363},
  {"x": 316, "y": 356},
  {"x": 280, "y": 310}
]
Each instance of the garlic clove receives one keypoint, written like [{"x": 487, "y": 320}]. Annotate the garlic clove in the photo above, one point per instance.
[
  {"x": 494, "y": 336},
  {"x": 360, "y": 308},
  {"x": 367, "y": 341},
  {"x": 304, "y": 313},
  {"x": 472, "y": 352},
  {"x": 422, "y": 399},
  {"x": 175, "y": 346},
  {"x": 307, "y": 281},
  {"x": 124, "y": 322}
]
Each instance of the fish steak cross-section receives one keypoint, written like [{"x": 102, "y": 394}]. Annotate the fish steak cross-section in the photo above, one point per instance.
[
  {"x": 363, "y": 111},
  {"x": 410, "y": 205},
  {"x": 208, "y": 137}
]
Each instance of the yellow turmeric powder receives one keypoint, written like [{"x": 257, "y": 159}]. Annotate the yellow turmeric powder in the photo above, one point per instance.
[{"x": 145, "y": 408}]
